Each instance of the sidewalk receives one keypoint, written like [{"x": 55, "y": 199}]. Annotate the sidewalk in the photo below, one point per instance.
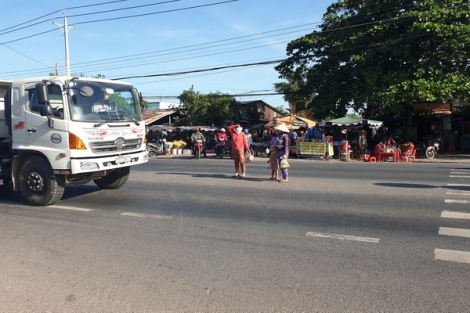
[
  {"x": 441, "y": 157},
  {"x": 448, "y": 157}
]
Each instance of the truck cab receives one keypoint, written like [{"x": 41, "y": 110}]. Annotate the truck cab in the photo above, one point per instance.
[{"x": 63, "y": 130}]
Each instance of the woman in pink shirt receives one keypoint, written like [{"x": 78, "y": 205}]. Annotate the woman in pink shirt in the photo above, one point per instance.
[{"x": 239, "y": 146}]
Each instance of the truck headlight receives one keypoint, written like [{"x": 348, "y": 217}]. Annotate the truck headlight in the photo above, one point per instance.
[{"x": 89, "y": 166}]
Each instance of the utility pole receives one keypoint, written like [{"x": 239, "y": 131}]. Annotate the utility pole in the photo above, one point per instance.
[{"x": 66, "y": 30}]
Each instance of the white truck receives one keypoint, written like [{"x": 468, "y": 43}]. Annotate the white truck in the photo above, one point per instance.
[{"x": 60, "y": 131}]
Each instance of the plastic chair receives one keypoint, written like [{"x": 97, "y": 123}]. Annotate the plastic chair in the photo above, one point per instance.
[{"x": 409, "y": 154}]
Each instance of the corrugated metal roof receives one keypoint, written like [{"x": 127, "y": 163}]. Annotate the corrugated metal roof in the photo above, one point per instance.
[{"x": 150, "y": 116}]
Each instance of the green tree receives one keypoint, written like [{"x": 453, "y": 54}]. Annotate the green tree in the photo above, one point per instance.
[
  {"x": 209, "y": 109},
  {"x": 382, "y": 56},
  {"x": 297, "y": 94}
]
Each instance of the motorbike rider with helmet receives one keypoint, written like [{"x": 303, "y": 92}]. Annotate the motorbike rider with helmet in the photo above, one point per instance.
[
  {"x": 220, "y": 139},
  {"x": 249, "y": 138},
  {"x": 198, "y": 136},
  {"x": 220, "y": 135}
]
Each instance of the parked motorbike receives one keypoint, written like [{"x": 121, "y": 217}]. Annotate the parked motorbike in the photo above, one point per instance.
[
  {"x": 199, "y": 149},
  {"x": 156, "y": 146},
  {"x": 429, "y": 148}
]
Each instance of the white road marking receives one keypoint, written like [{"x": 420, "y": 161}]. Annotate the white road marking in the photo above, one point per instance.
[
  {"x": 460, "y": 185},
  {"x": 456, "y": 173},
  {"x": 452, "y": 255},
  {"x": 459, "y": 215},
  {"x": 69, "y": 208},
  {"x": 456, "y": 201},
  {"x": 461, "y": 176},
  {"x": 342, "y": 237},
  {"x": 159, "y": 217},
  {"x": 457, "y": 232},
  {"x": 458, "y": 193}
]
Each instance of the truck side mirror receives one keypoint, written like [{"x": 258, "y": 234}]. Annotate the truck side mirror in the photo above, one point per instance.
[
  {"x": 41, "y": 91},
  {"x": 45, "y": 110}
]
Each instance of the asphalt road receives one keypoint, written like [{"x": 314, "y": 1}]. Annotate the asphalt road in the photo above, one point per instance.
[{"x": 184, "y": 236}]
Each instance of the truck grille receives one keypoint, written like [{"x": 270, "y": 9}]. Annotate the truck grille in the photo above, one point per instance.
[{"x": 110, "y": 146}]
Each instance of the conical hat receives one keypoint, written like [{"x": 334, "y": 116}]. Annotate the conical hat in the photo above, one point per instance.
[{"x": 281, "y": 127}]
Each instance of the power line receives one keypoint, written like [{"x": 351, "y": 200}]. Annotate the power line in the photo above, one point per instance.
[
  {"x": 2, "y": 31},
  {"x": 153, "y": 13},
  {"x": 202, "y": 70}
]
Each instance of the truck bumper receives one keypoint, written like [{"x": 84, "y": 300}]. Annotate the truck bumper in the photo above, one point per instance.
[{"x": 89, "y": 165}]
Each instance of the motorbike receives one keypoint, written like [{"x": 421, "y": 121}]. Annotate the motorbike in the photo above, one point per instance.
[
  {"x": 156, "y": 146},
  {"x": 199, "y": 149},
  {"x": 429, "y": 148},
  {"x": 221, "y": 148}
]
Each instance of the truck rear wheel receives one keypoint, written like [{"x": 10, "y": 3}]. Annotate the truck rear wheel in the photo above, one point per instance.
[
  {"x": 117, "y": 178},
  {"x": 37, "y": 183}
]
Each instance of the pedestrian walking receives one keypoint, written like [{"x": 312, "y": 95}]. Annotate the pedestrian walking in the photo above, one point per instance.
[
  {"x": 283, "y": 149},
  {"x": 239, "y": 146},
  {"x": 273, "y": 161}
]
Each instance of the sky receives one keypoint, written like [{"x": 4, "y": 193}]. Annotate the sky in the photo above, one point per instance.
[{"x": 135, "y": 39}]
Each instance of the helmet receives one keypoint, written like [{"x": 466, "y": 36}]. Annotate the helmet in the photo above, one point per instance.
[
  {"x": 246, "y": 130},
  {"x": 222, "y": 130}
]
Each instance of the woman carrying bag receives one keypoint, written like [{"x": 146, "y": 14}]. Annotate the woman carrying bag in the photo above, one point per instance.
[{"x": 283, "y": 150}]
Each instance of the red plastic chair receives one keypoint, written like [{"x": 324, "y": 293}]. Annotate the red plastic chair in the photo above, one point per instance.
[{"x": 409, "y": 154}]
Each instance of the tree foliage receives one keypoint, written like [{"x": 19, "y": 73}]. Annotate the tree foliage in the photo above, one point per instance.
[
  {"x": 382, "y": 56},
  {"x": 207, "y": 109},
  {"x": 297, "y": 93}
]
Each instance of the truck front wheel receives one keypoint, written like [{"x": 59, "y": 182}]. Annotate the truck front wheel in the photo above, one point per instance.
[
  {"x": 117, "y": 178},
  {"x": 37, "y": 183}
]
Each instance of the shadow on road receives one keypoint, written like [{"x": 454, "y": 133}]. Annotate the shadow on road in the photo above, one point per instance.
[
  {"x": 219, "y": 176},
  {"x": 422, "y": 186}
]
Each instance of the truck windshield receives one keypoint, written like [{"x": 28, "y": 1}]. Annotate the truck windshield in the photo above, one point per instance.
[{"x": 92, "y": 101}]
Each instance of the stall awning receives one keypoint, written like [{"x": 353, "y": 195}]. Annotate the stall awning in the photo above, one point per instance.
[
  {"x": 434, "y": 108},
  {"x": 351, "y": 121},
  {"x": 293, "y": 122}
]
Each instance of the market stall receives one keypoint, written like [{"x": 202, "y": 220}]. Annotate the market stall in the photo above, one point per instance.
[
  {"x": 315, "y": 149},
  {"x": 302, "y": 146},
  {"x": 356, "y": 125}
]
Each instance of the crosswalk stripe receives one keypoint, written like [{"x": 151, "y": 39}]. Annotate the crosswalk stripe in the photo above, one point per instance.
[
  {"x": 452, "y": 255},
  {"x": 459, "y": 176},
  {"x": 456, "y": 201},
  {"x": 459, "y": 185},
  {"x": 342, "y": 237},
  {"x": 140, "y": 215},
  {"x": 457, "y": 232},
  {"x": 69, "y": 208},
  {"x": 459, "y": 215},
  {"x": 458, "y": 193}
]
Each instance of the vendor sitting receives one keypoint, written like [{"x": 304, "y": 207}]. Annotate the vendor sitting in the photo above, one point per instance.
[{"x": 379, "y": 148}]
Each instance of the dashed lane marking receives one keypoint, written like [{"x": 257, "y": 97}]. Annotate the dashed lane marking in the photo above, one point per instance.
[
  {"x": 456, "y": 201},
  {"x": 459, "y": 215},
  {"x": 456, "y": 232},
  {"x": 459, "y": 185},
  {"x": 69, "y": 208},
  {"x": 459, "y": 176},
  {"x": 459, "y": 173},
  {"x": 343, "y": 237},
  {"x": 159, "y": 217},
  {"x": 452, "y": 255}
]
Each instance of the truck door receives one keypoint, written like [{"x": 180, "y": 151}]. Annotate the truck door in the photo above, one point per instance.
[{"x": 41, "y": 137}]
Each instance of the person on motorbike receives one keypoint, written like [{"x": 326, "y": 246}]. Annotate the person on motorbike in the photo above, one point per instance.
[
  {"x": 198, "y": 136},
  {"x": 220, "y": 135},
  {"x": 220, "y": 139},
  {"x": 249, "y": 138}
]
